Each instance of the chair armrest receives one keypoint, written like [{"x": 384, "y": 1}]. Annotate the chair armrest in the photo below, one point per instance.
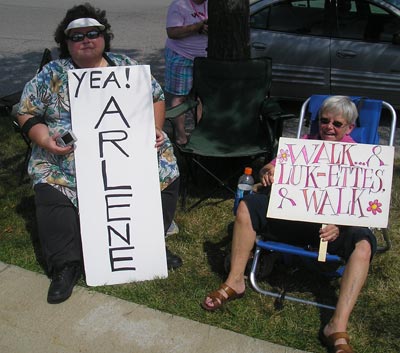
[
  {"x": 7, "y": 102},
  {"x": 271, "y": 110},
  {"x": 178, "y": 110},
  {"x": 272, "y": 118}
]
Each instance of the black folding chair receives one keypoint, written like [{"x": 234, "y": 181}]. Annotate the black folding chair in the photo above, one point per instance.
[
  {"x": 8, "y": 102},
  {"x": 238, "y": 119}
]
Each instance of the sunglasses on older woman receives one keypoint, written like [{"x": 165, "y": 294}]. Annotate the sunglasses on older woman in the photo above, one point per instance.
[
  {"x": 336, "y": 124},
  {"x": 79, "y": 37}
]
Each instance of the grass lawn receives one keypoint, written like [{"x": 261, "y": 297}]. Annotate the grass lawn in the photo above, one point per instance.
[{"x": 202, "y": 243}]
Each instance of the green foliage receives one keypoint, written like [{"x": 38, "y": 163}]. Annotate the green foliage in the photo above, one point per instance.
[{"x": 203, "y": 242}]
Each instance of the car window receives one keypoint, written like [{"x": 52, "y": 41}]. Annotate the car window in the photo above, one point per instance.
[
  {"x": 365, "y": 21},
  {"x": 298, "y": 16}
]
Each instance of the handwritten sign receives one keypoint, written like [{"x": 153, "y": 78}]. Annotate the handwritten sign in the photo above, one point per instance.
[
  {"x": 117, "y": 174},
  {"x": 332, "y": 182}
]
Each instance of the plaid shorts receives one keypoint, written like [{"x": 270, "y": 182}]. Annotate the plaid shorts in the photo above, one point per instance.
[{"x": 178, "y": 73}]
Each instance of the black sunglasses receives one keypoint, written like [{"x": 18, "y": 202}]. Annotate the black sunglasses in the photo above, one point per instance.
[
  {"x": 79, "y": 37},
  {"x": 336, "y": 124}
]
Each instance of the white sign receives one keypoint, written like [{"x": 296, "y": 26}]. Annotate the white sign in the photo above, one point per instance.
[
  {"x": 331, "y": 182},
  {"x": 117, "y": 174}
]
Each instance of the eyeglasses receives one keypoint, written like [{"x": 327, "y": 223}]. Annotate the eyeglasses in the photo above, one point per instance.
[
  {"x": 336, "y": 124},
  {"x": 79, "y": 37}
]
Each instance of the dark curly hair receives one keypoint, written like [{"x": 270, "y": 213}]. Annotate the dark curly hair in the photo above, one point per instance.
[{"x": 81, "y": 11}]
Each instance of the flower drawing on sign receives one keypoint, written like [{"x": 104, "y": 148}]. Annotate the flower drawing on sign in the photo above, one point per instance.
[
  {"x": 374, "y": 207},
  {"x": 283, "y": 155}
]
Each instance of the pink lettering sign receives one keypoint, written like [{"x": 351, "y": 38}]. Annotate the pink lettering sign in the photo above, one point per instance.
[{"x": 332, "y": 182}]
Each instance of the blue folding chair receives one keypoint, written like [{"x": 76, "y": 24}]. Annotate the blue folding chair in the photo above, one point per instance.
[{"x": 366, "y": 131}]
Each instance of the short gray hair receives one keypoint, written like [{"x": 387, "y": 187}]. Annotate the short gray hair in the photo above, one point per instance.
[{"x": 342, "y": 105}]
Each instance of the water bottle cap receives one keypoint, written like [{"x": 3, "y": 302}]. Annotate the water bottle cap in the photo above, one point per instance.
[{"x": 248, "y": 171}]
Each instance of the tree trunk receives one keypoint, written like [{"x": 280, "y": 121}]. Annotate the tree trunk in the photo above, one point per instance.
[{"x": 228, "y": 29}]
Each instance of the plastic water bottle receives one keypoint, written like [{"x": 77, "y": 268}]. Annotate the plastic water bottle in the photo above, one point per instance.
[{"x": 244, "y": 187}]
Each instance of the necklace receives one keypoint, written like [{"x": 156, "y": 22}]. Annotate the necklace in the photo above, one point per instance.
[{"x": 200, "y": 14}]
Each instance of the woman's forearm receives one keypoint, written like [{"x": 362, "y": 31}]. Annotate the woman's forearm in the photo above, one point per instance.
[{"x": 184, "y": 31}]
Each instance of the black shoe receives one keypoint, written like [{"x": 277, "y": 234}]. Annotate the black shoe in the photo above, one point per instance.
[
  {"x": 62, "y": 283},
  {"x": 173, "y": 261}
]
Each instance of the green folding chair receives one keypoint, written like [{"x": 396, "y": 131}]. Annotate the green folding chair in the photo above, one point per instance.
[{"x": 238, "y": 119}]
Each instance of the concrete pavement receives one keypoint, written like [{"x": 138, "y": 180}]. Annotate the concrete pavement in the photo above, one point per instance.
[{"x": 91, "y": 322}]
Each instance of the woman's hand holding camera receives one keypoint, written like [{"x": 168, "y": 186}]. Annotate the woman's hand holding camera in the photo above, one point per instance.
[{"x": 51, "y": 145}]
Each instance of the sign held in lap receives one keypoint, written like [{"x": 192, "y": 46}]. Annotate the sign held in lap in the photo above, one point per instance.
[
  {"x": 332, "y": 182},
  {"x": 117, "y": 174}
]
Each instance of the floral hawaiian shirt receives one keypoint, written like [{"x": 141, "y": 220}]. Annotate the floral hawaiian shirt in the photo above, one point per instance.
[{"x": 47, "y": 95}]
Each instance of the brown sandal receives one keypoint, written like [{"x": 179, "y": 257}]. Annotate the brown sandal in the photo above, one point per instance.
[
  {"x": 218, "y": 299},
  {"x": 338, "y": 348}
]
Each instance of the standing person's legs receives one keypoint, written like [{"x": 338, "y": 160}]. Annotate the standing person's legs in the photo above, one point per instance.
[
  {"x": 178, "y": 82},
  {"x": 169, "y": 199},
  {"x": 179, "y": 122},
  {"x": 59, "y": 234}
]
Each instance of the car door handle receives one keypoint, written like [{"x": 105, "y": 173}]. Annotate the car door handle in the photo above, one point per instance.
[
  {"x": 258, "y": 46},
  {"x": 346, "y": 54}
]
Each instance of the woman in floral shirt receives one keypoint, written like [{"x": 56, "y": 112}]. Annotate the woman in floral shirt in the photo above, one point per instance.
[{"x": 44, "y": 113}]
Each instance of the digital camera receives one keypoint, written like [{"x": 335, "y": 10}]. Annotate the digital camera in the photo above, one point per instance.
[{"x": 66, "y": 139}]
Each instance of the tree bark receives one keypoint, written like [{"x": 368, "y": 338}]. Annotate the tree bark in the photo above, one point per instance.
[{"x": 228, "y": 29}]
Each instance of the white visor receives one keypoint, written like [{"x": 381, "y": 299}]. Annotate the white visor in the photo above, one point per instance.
[{"x": 84, "y": 22}]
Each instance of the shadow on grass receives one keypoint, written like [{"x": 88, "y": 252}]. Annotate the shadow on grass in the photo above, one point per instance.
[
  {"x": 218, "y": 255},
  {"x": 303, "y": 282}
]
